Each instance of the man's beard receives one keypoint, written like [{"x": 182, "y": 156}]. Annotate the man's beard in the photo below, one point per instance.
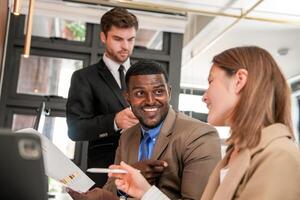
[
  {"x": 162, "y": 118},
  {"x": 116, "y": 58}
]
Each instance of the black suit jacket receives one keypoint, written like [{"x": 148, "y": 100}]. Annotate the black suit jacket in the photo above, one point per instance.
[{"x": 94, "y": 99}]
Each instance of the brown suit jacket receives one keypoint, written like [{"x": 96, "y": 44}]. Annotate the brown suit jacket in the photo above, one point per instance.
[
  {"x": 191, "y": 148},
  {"x": 270, "y": 171}
]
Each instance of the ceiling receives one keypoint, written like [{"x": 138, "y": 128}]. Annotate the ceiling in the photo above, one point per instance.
[
  {"x": 272, "y": 37},
  {"x": 215, "y": 37},
  {"x": 223, "y": 27}
]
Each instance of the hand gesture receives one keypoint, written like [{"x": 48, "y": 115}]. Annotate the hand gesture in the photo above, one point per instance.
[{"x": 151, "y": 169}]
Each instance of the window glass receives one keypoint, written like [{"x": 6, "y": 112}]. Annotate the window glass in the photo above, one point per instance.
[
  {"x": 189, "y": 102},
  {"x": 53, "y": 27},
  {"x": 41, "y": 75},
  {"x": 55, "y": 128},
  {"x": 22, "y": 121},
  {"x": 194, "y": 103},
  {"x": 149, "y": 39}
]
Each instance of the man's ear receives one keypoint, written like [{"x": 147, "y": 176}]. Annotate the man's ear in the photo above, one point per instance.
[
  {"x": 102, "y": 37},
  {"x": 126, "y": 95},
  {"x": 169, "y": 91},
  {"x": 240, "y": 79}
]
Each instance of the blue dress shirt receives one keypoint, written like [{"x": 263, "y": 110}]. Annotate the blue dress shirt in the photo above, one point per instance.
[{"x": 153, "y": 133}]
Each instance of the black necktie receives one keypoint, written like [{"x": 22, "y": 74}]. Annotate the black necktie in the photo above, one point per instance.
[{"x": 122, "y": 77}]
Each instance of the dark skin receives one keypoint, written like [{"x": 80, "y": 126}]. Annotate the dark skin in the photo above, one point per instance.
[
  {"x": 151, "y": 169},
  {"x": 149, "y": 97}
]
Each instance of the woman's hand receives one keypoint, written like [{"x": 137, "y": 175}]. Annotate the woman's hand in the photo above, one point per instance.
[{"x": 133, "y": 183}]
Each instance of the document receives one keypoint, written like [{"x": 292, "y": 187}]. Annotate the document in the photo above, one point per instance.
[{"x": 61, "y": 168}]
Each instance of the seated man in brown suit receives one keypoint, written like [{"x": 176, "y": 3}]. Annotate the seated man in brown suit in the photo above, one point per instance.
[{"x": 189, "y": 148}]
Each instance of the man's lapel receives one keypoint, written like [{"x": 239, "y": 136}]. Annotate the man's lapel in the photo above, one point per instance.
[
  {"x": 163, "y": 138},
  {"x": 134, "y": 141},
  {"x": 111, "y": 82}
]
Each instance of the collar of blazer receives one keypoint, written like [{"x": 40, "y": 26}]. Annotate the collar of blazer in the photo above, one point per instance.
[
  {"x": 162, "y": 140},
  {"x": 111, "y": 82},
  {"x": 239, "y": 166}
]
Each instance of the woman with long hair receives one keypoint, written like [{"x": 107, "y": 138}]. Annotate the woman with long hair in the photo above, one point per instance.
[{"x": 247, "y": 92}]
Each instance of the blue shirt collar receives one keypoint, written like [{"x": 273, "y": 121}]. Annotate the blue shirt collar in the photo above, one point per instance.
[{"x": 153, "y": 133}]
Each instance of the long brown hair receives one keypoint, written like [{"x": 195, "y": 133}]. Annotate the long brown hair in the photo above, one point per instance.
[{"x": 265, "y": 98}]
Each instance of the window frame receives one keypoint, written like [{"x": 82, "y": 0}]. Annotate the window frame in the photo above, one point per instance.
[{"x": 89, "y": 51}]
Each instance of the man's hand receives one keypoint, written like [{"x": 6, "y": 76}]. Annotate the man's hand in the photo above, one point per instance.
[
  {"x": 125, "y": 119},
  {"x": 94, "y": 194},
  {"x": 151, "y": 169}
]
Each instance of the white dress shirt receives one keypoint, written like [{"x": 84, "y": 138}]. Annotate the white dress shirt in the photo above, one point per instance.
[
  {"x": 114, "y": 70},
  {"x": 114, "y": 67}
]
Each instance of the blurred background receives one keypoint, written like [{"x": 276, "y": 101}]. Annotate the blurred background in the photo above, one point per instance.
[{"x": 183, "y": 35}]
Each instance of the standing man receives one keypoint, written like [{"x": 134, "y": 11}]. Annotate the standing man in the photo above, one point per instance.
[
  {"x": 189, "y": 147},
  {"x": 96, "y": 107}
]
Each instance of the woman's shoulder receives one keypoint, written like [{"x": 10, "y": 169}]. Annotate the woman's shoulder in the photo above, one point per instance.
[{"x": 280, "y": 150}]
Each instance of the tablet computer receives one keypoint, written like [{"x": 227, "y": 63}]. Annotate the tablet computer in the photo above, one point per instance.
[{"x": 22, "y": 167}]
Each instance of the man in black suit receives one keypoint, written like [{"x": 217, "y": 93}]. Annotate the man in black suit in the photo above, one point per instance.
[{"x": 96, "y": 108}]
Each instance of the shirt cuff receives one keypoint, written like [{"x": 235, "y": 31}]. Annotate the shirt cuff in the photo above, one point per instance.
[
  {"x": 115, "y": 126},
  {"x": 154, "y": 193}
]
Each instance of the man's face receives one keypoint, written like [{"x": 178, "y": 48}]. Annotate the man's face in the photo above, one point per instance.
[
  {"x": 119, "y": 43},
  {"x": 149, "y": 97}
]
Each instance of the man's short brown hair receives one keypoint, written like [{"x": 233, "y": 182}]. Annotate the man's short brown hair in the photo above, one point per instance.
[{"x": 118, "y": 17}]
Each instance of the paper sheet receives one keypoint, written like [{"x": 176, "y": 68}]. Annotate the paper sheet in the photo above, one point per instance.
[{"x": 61, "y": 168}]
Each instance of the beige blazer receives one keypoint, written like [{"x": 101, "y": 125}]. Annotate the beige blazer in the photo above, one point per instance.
[
  {"x": 270, "y": 171},
  {"x": 191, "y": 148}
]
